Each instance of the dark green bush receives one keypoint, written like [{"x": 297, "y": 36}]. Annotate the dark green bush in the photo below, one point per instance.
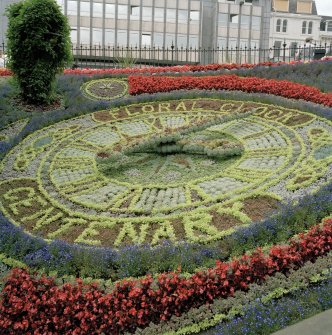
[{"x": 38, "y": 47}]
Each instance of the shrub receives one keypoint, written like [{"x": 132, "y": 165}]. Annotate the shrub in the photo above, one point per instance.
[{"x": 38, "y": 47}]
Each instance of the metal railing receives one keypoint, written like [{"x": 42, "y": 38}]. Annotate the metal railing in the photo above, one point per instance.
[{"x": 120, "y": 57}]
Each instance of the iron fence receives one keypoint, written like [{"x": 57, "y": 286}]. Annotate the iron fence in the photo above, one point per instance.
[{"x": 120, "y": 57}]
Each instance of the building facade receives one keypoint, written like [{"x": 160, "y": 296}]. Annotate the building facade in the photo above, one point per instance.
[
  {"x": 236, "y": 30},
  {"x": 292, "y": 22},
  {"x": 326, "y": 31},
  {"x": 183, "y": 23},
  {"x": 3, "y": 20}
]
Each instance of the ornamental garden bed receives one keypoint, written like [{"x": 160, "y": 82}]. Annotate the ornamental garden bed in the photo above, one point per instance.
[{"x": 176, "y": 189}]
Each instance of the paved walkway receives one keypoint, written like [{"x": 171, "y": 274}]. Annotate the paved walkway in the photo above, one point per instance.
[{"x": 320, "y": 324}]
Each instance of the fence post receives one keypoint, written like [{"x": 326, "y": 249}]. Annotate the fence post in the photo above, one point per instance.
[
  {"x": 172, "y": 52},
  {"x": 284, "y": 51}
]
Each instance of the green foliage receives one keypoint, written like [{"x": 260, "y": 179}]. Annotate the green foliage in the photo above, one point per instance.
[{"x": 38, "y": 47}]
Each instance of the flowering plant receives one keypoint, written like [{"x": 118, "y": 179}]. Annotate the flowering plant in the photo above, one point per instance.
[
  {"x": 164, "y": 69},
  {"x": 145, "y": 84},
  {"x": 36, "y": 305}
]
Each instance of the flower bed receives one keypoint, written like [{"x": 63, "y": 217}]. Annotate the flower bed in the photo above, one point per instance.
[
  {"x": 29, "y": 302},
  {"x": 154, "y": 183},
  {"x": 151, "y": 70},
  {"x": 192, "y": 170},
  {"x": 140, "y": 85},
  {"x": 167, "y": 69}
]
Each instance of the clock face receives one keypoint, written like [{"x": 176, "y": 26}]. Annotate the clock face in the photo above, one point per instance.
[
  {"x": 105, "y": 89},
  {"x": 203, "y": 167}
]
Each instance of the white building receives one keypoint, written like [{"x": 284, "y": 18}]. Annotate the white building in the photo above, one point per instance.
[
  {"x": 326, "y": 31},
  {"x": 292, "y": 21}
]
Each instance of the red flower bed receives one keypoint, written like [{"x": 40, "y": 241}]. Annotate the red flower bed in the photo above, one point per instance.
[
  {"x": 152, "y": 69},
  {"x": 145, "y": 84},
  {"x": 5, "y": 72},
  {"x": 31, "y": 305}
]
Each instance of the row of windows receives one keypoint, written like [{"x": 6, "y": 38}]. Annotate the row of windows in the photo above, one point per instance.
[
  {"x": 294, "y": 48},
  {"x": 134, "y": 12},
  {"x": 281, "y": 26},
  {"x": 135, "y": 38},
  {"x": 225, "y": 19},
  {"x": 246, "y": 1}
]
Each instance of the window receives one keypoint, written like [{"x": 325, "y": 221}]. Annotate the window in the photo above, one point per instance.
[
  {"x": 158, "y": 40},
  {"x": 194, "y": 15},
  {"x": 147, "y": 13},
  {"x": 169, "y": 40},
  {"x": 134, "y": 12},
  {"x": 97, "y": 36},
  {"x": 85, "y": 8},
  {"x": 122, "y": 12},
  {"x": 73, "y": 35},
  {"x": 97, "y": 9},
  {"x": 72, "y": 8},
  {"x": 223, "y": 18},
  {"x": 234, "y": 18},
  {"x": 182, "y": 41},
  {"x": 310, "y": 27},
  {"x": 304, "y": 27},
  {"x": 170, "y": 15},
  {"x": 85, "y": 36},
  {"x": 146, "y": 40},
  {"x": 248, "y": 1},
  {"x": 182, "y": 16},
  {"x": 278, "y": 27},
  {"x": 232, "y": 44},
  {"x": 281, "y": 5},
  {"x": 109, "y": 37},
  {"x": 304, "y": 7},
  {"x": 122, "y": 37},
  {"x": 256, "y": 23},
  {"x": 277, "y": 47},
  {"x": 159, "y": 14},
  {"x": 293, "y": 49},
  {"x": 245, "y": 21},
  {"x": 110, "y": 11},
  {"x": 329, "y": 26},
  {"x": 222, "y": 43},
  {"x": 193, "y": 41},
  {"x": 284, "y": 26},
  {"x": 134, "y": 38}
]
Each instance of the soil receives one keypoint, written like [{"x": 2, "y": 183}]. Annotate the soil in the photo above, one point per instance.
[
  {"x": 103, "y": 116},
  {"x": 179, "y": 229},
  {"x": 258, "y": 208},
  {"x": 194, "y": 196},
  {"x": 300, "y": 180},
  {"x": 127, "y": 202},
  {"x": 317, "y": 132},
  {"x": 224, "y": 221},
  {"x": 108, "y": 236},
  {"x": 298, "y": 119},
  {"x": 30, "y": 108}
]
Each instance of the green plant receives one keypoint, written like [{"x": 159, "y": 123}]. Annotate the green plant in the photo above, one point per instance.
[
  {"x": 126, "y": 61},
  {"x": 38, "y": 47}
]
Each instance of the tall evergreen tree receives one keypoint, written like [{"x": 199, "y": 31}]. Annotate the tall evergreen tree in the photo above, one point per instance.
[{"x": 38, "y": 47}]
